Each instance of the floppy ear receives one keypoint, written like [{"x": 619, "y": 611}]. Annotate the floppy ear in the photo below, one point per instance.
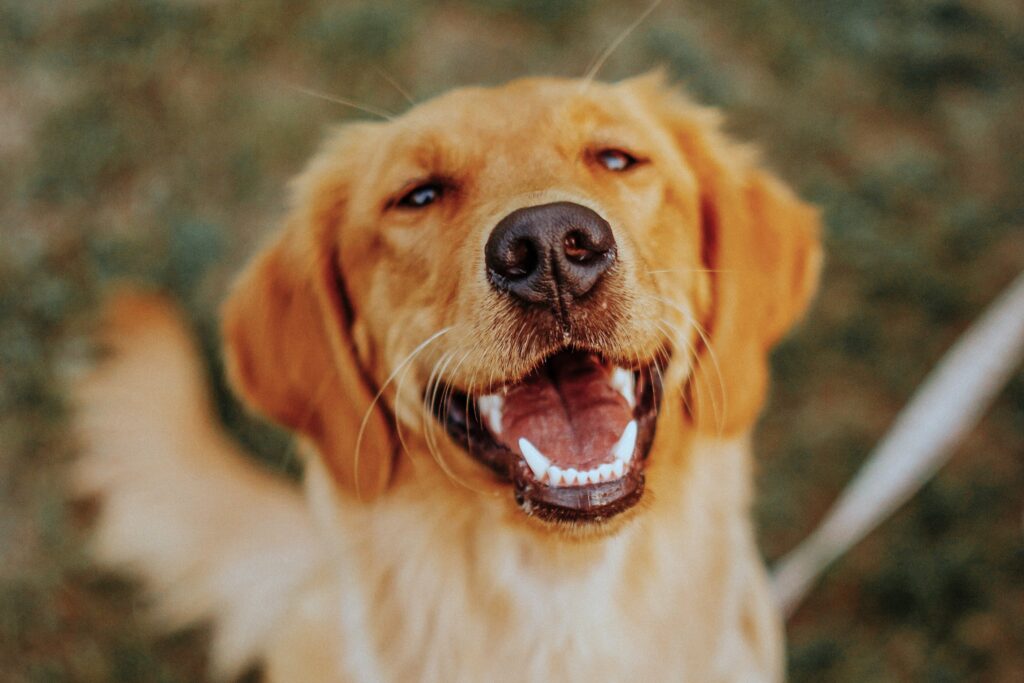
[
  {"x": 286, "y": 327},
  {"x": 762, "y": 247}
]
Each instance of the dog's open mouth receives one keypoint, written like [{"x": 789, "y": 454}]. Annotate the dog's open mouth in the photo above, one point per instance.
[{"x": 572, "y": 436}]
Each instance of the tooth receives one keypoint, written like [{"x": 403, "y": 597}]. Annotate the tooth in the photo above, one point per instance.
[
  {"x": 534, "y": 458},
  {"x": 605, "y": 471},
  {"x": 623, "y": 448},
  {"x": 570, "y": 476},
  {"x": 622, "y": 381},
  {"x": 593, "y": 476},
  {"x": 491, "y": 407},
  {"x": 555, "y": 475},
  {"x": 618, "y": 467}
]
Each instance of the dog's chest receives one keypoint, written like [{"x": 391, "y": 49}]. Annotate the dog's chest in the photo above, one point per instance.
[{"x": 433, "y": 595}]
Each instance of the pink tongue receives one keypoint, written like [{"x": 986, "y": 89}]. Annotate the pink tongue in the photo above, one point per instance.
[{"x": 569, "y": 410}]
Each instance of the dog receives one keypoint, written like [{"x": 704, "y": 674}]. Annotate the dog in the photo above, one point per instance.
[{"x": 521, "y": 336}]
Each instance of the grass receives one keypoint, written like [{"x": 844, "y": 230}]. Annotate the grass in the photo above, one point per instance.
[{"x": 154, "y": 139}]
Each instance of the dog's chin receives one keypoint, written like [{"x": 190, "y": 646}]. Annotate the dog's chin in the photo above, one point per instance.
[
  {"x": 570, "y": 439},
  {"x": 577, "y": 530}
]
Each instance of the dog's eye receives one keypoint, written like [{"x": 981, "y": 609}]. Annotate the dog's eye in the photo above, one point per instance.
[
  {"x": 616, "y": 160},
  {"x": 421, "y": 196}
]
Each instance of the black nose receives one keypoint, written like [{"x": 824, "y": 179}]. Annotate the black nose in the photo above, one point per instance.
[{"x": 541, "y": 252}]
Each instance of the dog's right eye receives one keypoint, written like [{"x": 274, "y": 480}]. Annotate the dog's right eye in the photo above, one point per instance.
[
  {"x": 421, "y": 196},
  {"x": 616, "y": 160}
]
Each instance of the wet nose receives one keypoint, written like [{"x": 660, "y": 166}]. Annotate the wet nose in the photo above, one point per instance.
[{"x": 538, "y": 253}]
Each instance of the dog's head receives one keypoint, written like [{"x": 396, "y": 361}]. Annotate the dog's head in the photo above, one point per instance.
[{"x": 523, "y": 281}]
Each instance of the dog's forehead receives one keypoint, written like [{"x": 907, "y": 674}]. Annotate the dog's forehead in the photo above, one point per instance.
[
  {"x": 535, "y": 105},
  {"x": 530, "y": 124}
]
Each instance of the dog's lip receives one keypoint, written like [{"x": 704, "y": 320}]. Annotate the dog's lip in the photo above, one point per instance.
[{"x": 589, "y": 502}]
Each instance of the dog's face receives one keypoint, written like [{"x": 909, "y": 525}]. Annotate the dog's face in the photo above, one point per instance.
[{"x": 522, "y": 281}]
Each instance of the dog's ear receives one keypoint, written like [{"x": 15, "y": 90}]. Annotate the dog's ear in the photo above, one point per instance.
[
  {"x": 761, "y": 245},
  {"x": 290, "y": 354}
]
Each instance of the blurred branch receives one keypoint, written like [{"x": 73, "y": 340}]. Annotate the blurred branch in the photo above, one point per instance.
[{"x": 949, "y": 403}]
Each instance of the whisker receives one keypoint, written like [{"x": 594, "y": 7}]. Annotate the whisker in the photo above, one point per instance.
[
  {"x": 706, "y": 340},
  {"x": 446, "y": 399},
  {"x": 659, "y": 356},
  {"x": 662, "y": 357},
  {"x": 426, "y": 420},
  {"x": 673, "y": 333},
  {"x": 342, "y": 101},
  {"x": 395, "y": 84},
  {"x": 380, "y": 392},
  {"x": 470, "y": 392},
  {"x": 456, "y": 372},
  {"x": 398, "y": 415},
  {"x": 640, "y": 364},
  {"x": 431, "y": 434},
  {"x": 603, "y": 57},
  {"x": 719, "y": 414}
]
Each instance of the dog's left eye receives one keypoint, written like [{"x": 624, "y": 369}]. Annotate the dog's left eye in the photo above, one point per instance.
[
  {"x": 421, "y": 196},
  {"x": 616, "y": 160}
]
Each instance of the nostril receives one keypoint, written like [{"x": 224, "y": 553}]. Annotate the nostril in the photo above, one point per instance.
[
  {"x": 578, "y": 248},
  {"x": 587, "y": 252},
  {"x": 522, "y": 259}
]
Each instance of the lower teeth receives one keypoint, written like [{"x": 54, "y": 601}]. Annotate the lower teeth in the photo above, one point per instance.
[{"x": 545, "y": 472}]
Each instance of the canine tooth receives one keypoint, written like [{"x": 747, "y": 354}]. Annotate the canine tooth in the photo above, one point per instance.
[
  {"x": 623, "y": 382},
  {"x": 570, "y": 476},
  {"x": 555, "y": 475},
  {"x": 623, "y": 448},
  {"x": 605, "y": 471},
  {"x": 491, "y": 407},
  {"x": 618, "y": 467},
  {"x": 534, "y": 458}
]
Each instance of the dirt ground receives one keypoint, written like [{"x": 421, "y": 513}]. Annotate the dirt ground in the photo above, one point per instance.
[{"x": 153, "y": 140}]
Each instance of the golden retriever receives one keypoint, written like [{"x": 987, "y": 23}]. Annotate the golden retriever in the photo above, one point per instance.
[{"x": 521, "y": 334}]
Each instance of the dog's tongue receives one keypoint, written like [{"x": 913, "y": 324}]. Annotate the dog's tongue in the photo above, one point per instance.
[{"x": 569, "y": 410}]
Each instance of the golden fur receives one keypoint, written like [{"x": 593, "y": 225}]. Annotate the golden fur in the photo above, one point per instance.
[{"x": 405, "y": 559}]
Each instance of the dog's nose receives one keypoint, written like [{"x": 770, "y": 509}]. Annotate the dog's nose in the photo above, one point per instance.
[{"x": 540, "y": 252}]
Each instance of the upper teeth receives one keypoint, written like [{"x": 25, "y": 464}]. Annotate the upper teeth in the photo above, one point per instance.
[
  {"x": 553, "y": 475},
  {"x": 623, "y": 448},
  {"x": 534, "y": 458},
  {"x": 490, "y": 406},
  {"x": 622, "y": 381}
]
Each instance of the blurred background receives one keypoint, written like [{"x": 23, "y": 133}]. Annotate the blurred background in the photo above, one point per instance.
[{"x": 153, "y": 140}]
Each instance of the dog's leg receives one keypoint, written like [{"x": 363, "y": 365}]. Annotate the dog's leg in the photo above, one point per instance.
[{"x": 212, "y": 536}]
